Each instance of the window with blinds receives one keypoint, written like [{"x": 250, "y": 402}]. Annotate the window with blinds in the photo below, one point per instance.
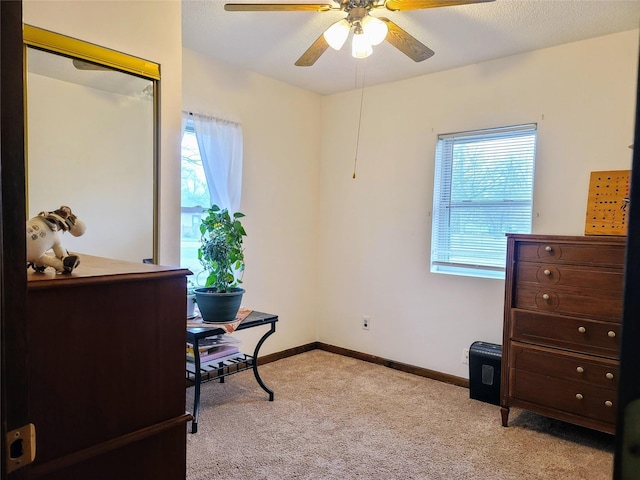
[{"x": 483, "y": 189}]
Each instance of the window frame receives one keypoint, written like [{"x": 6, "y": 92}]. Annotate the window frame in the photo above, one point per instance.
[
  {"x": 486, "y": 263},
  {"x": 195, "y": 210}
]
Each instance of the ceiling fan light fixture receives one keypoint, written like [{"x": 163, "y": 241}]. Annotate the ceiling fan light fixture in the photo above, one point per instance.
[
  {"x": 375, "y": 29},
  {"x": 337, "y": 34},
  {"x": 360, "y": 45}
]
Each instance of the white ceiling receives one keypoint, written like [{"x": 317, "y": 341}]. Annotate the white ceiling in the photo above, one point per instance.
[{"x": 269, "y": 43}]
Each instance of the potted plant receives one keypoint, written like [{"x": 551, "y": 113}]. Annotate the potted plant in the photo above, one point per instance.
[
  {"x": 191, "y": 299},
  {"x": 222, "y": 255}
]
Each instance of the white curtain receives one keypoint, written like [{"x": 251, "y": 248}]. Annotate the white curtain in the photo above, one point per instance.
[{"x": 220, "y": 145}]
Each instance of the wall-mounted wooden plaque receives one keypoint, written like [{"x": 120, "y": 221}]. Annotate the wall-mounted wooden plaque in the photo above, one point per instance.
[{"x": 608, "y": 203}]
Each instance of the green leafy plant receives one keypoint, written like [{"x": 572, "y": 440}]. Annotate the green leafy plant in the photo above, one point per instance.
[{"x": 221, "y": 252}]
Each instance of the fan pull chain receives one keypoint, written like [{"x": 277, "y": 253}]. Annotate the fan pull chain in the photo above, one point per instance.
[{"x": 355, "y": 161}]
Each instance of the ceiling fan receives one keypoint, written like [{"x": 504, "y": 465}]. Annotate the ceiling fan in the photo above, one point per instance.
[
  {"x": 367, "y": 29},
  {"x": 84, "y": 65}
]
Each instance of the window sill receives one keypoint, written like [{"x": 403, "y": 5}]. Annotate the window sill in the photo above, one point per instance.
[{"x": 468, "y": 272}]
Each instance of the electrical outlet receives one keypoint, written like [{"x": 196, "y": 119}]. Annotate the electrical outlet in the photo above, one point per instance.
[
  {"x": 465, "y": 356},
  {"x": 366, "y": 322}
]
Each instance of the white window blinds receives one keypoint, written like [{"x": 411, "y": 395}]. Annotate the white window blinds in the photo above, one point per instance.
[{"x": 483, "y": 188}]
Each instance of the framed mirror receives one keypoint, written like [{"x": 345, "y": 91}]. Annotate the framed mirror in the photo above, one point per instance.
[{"x": 92, "y": 142}]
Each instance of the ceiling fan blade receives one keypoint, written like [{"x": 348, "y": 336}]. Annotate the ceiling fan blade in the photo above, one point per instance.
[
  {"x": 277, "y": 7},
  {"x": 313, "y": 53},
  {"x": 406, "y": 43},
  {"x": 82, "y": 65},
  {"x": 395, "y": 5}
]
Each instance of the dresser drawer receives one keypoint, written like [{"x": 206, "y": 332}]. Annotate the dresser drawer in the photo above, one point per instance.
[
  {"x": 600, "y": 279},
  {"x": 575, "y": 367},
  {"x": 576, "y": 334},
  {"x": 588, "y": 254},
  {"x": 568, "y": 301},
  {"x": 572, "y": 397}
]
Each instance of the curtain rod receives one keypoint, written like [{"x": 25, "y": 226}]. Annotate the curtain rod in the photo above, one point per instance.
[{"x": 213, "y": 117}]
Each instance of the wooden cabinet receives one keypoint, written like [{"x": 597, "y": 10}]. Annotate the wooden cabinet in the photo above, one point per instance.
[
  {"x": 106, "y": 371},
  {"x": 562, "y": 325}
]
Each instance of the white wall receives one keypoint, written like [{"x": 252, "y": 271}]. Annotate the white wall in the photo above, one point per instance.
[
  {"x": 280, "y": 189},
  {"x": 375, "y": 231},
  {"x": 324, "y": 249},
  {"x": 146, "y": 29}
]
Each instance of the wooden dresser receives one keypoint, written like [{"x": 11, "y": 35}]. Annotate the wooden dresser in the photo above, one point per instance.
[
  {"x": 106, "y": 371},
  {"x": 562, "y": 323}
]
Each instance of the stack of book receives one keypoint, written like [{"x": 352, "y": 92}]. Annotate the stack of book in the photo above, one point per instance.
[{"x": 214, "y": 348}]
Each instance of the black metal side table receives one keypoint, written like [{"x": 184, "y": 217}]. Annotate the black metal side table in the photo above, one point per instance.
[{"x": 198, "y": 373}]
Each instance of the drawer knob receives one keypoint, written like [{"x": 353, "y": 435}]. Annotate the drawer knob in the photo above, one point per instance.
[
  {"x": 580, "y": 370},
  {"x": 548, "y": 248},
  {"x": 582, "y": 329},
  {"x": 545, "y": 296},
  {"x": 608, "y": 403},
  {"x": 579, "y": 396},
  {"x": 609, "y": 375},
  {"x": 547, "y": 272},
  {"x": 611, "y": 334}
]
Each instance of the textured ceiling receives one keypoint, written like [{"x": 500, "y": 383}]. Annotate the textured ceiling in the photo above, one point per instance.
[{"x": 270, "y": 42}]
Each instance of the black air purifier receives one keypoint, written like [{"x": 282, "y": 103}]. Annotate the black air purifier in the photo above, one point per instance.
[{"x": 485, "y": 361}]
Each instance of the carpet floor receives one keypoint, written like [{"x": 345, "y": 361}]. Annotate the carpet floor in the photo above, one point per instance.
[{"x": 336, "y": 417}]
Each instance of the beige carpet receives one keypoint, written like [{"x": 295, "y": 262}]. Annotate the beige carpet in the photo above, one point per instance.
[{"x": 335, "y": 417}]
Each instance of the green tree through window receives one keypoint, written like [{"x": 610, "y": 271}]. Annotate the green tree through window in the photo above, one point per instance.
[{"x": 194, "y": 195}]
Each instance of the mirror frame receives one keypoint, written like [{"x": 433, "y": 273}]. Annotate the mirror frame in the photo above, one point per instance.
[{"x": 74, "y": 48}]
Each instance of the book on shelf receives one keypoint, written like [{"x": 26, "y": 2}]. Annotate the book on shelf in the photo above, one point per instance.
[
  {"x": 212, "y": 353},
  {"x": 211, "y": 343},
  {"x": 217, "y": 340}
]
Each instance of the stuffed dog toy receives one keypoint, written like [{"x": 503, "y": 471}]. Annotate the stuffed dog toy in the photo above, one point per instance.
[{"x": 42, "y": 236}]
